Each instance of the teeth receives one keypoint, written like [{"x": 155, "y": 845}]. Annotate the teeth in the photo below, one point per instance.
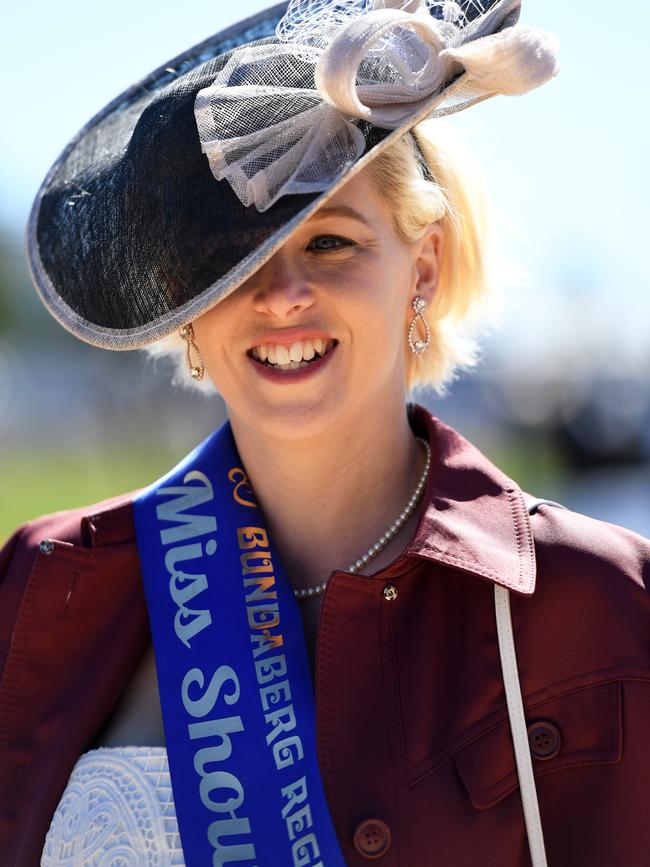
[
  {"x": 299, "y": 353},
  {"x": 293, "y": 365}
]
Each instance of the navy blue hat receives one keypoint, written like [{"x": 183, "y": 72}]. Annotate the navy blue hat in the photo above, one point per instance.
[{"x": 134, "y": 233}]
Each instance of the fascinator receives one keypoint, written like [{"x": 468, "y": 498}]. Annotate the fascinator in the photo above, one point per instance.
[{"x": 184, "y": 185}]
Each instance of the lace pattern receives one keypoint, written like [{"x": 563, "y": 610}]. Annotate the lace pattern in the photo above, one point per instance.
[{"x": 117, "y": 811}]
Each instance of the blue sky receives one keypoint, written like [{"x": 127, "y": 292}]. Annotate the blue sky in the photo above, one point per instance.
[{"x": 567, "y": 165}]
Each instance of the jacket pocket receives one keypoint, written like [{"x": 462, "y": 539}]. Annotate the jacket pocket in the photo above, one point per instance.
[{"x": 582, "y": 727}]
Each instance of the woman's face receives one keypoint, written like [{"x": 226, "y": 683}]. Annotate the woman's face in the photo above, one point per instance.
[{"x": 336, "y": 298}]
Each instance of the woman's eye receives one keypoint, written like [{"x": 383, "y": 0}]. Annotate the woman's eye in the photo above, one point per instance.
[{"x": 325, "y": 243}]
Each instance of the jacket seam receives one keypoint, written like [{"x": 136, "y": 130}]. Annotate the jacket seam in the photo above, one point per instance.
[
  {"x": 384, "y": 692},
  {"x": 395, "y": 710},
  {"x": 18, "y": 646},
  {"x": 17, "y": 651},
  {"x": 323, "y": 678},
  {"x": 513, "y": 501}
]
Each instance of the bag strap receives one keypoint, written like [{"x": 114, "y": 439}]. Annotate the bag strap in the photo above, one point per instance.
[{"x": 516, "y": 714}]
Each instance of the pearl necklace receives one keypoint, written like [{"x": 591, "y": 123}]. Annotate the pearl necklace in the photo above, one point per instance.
[{"x": 384, "y": 539}]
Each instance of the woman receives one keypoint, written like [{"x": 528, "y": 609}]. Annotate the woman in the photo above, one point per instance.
[{"x": 327, "y": 576}]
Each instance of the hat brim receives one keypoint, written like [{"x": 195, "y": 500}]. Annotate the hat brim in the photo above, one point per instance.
[{"x": 130, "y": 235}]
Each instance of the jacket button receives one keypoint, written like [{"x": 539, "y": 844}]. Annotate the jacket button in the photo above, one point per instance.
[
  {"x": 544, "y": 738},
  {"x": 371, "y": 838},
  {"x": 46, "y": 546}
]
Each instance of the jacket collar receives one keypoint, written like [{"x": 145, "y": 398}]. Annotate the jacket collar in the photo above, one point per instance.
[{"x": 474, "y": 517}]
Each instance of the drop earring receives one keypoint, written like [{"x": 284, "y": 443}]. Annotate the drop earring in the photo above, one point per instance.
[
  {"x": 417, "y": 345},
  {"x": 196, "y": 370}
]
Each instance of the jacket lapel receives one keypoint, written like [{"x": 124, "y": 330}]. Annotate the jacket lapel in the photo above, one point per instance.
[{"x": 474, "y": 517}]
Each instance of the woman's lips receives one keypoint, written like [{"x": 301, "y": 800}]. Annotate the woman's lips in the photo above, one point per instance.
[{"x": 273, "y": 374}]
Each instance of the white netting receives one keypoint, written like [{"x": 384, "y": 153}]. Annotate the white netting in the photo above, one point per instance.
[
  {"x": 279, "y": 139},
  {"x": 309, "y": 21},
  {"x": 282, "y": 116}
]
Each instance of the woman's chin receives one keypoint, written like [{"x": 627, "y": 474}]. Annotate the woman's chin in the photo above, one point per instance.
[{"x": 293, "y": 418}]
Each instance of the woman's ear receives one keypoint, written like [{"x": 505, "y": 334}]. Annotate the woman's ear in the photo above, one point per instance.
[{"x": 427, "y": 261}]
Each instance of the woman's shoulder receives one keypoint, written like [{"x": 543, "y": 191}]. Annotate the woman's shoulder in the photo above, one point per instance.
[
  {"x": 564, "y": 541},
  {"x": 592, "y": 591},
  {"x": 80, "y": 534},
  {"x": 81, "y": 526},
  {"x": 571, "y": 541},
  {"x": 50, "y": 558}
]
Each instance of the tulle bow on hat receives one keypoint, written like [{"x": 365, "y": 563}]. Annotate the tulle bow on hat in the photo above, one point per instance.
[{"x": 283, "y": 116}]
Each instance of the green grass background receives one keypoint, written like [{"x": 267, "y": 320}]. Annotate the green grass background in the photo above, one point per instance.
[{"x": 35, "y": 482}]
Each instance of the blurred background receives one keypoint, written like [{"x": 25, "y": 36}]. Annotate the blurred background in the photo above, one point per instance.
[{"x": 561, "y": 400}]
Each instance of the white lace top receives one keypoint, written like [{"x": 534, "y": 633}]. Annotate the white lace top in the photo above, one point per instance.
[{"x": 117, "y": 811}]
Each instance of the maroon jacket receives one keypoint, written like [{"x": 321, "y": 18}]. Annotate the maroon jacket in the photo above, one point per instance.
[{"x": 412, "y": 722}]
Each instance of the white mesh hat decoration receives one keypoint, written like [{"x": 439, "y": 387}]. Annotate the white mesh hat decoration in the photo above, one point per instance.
[
  {"x": 183, "y": 186},
  {"x": 390, "y": 64}
]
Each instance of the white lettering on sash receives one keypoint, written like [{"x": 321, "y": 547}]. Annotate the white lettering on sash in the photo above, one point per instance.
[
  {"x": 233, "y": 852},
  {"x": 185, "y": 586},
  {"x": 220, "y": 790},
  {"x": 305, "y": 850},
  {"x": 287, "y": 751},
  {"x": 263, "y": 614},
  {"x": 275, "y": 693},
  {"x": 186, "y": 498},
  {"x": 296, "y": 793},
  {"x": 269, "y": 669},
  {"x": 203, "y": 705},
  {"x": 265, "y": 642},
  {"x": 297, "y": 819},
  {"x": 189, "y": 538}
]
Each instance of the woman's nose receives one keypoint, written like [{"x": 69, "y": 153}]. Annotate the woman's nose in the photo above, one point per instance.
[{"x": 280, "y": 290}]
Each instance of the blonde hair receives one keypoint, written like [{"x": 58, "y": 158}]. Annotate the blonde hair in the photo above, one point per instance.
[{"x": 448, "y": 190}]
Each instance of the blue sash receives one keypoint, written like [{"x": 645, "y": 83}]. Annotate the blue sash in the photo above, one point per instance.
[{"x": 234, "y": 680}]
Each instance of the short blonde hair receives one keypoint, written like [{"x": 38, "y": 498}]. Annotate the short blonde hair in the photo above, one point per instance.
[{"x": 449, "y": 184}]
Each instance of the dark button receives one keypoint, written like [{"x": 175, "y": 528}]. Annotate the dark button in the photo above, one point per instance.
[
  {"x": 544, "y": 738},
  {"x": 371, "y": 838}
]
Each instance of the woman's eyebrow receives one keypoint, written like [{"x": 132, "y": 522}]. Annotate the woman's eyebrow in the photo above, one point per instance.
[{"x": 341, "y": 211}]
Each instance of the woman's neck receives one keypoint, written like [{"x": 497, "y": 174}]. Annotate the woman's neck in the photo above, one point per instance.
[{"x": 327, "y": 499}]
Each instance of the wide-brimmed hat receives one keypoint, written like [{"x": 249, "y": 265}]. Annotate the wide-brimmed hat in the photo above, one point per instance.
[{"x": 183, "y": 186}]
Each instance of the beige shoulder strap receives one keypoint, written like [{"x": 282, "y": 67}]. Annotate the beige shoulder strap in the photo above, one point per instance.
[
  {"x": 518, "y": 727},
  {"x": 517, "y": 719}
]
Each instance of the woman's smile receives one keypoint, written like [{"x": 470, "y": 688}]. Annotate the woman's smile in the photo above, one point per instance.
[
  {"x": 286, "y": 356},
  {"x": 292, "y": 363},
  {"x": 290, "y": 348}
]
